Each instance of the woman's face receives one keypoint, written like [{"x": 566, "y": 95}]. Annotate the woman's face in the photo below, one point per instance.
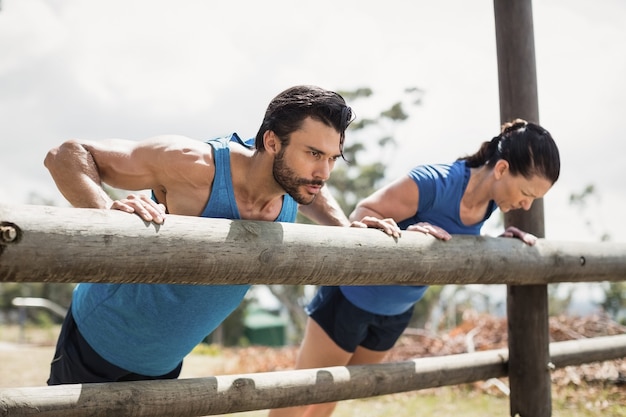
[{"x": 512, "y": 192}]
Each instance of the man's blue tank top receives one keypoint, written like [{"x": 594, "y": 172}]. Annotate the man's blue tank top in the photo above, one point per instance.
[
  {"x": 149, "y": 328},
  {"x": 441, "y": 188}
]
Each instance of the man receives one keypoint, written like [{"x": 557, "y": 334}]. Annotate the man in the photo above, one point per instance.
[{"x": 125, "y": 332}]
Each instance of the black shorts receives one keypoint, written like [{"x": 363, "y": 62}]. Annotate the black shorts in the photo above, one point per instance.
[
  {"x": 75, "y": 362},
  {"x": 349, "y": 326}
]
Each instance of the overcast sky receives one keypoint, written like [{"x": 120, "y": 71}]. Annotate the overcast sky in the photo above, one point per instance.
[{"x": 138, "y": 68}]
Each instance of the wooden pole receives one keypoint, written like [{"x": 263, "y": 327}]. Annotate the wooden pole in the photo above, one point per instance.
[
  {"x": 52, "y": 244},
  {"x": 237, "y": 393},
  {"x": 527, "y": 306}
]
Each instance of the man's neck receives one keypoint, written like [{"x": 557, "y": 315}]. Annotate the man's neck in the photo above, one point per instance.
[{"x": 258, "y": 195}]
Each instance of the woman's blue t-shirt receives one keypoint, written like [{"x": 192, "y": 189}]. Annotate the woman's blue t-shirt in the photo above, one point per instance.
[{"x": 441, "y": 188}]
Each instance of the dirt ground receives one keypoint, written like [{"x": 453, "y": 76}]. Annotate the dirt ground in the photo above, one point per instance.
[{"x": 24, "y": 365}]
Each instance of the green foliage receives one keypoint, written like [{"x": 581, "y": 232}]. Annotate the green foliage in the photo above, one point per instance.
[{"x": 395, "y": 112}]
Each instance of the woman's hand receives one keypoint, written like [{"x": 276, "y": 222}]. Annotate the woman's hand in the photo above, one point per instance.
[{"x": 388, "y": 226}]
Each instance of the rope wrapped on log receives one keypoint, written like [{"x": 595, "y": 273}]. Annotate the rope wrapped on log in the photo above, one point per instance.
[
  {"x": 54, "y": 244},
  {"x": 237, "y": 393}
]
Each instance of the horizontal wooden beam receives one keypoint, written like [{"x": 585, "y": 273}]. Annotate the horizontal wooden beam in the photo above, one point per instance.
[
  {"x": 581, "y": 351},
  {"x": 54, "y": 244},
  {"x": 237, "y": 393}
]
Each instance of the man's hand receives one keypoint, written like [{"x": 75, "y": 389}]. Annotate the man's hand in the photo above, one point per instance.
[
  {"x": 388, "y": 226},
  {"x": 527, "y": 238},
  {"x": 143, "y": 206},
  {"x": 429, "y": 229}
]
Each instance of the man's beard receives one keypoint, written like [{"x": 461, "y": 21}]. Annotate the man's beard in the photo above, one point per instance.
[{"x": 289, "y": 181}]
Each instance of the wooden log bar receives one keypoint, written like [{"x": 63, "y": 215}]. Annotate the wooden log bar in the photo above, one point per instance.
[
  {"x": 54, "y": 244},
  {"x": 237, "y": 393}
]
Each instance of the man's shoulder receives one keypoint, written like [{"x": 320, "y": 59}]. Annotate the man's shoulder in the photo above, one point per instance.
[
  {"x": 177, "y": 154},
  {"x": 230, "y": 139},
  {"x": 174, "y": 144}
]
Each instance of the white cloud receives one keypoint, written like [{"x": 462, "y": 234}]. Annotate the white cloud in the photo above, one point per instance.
[{"x": 29, "y": 30}]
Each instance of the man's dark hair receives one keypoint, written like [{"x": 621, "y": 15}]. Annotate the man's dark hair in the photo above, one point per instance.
[{"x": 287, "y": 111}]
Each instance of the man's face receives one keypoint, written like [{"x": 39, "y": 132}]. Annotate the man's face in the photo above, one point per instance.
[{"x": 302, "y": 167}]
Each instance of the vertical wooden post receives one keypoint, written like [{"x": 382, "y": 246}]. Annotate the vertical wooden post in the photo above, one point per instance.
[{"x": 527, "y": 306}]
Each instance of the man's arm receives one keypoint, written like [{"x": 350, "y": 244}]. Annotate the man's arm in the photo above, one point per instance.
[
  {"x": 325, "y": 210},
  {"x": 76, "y": 174},
  {"x": 80, "y": 168}
]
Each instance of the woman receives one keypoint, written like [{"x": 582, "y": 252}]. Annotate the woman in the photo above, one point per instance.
[{"x": 352, "y": 325}]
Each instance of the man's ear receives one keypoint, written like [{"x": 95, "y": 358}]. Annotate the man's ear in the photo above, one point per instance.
[
  {"x": 271, "y": 142},
  {"x": 500, "y": 168}
]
